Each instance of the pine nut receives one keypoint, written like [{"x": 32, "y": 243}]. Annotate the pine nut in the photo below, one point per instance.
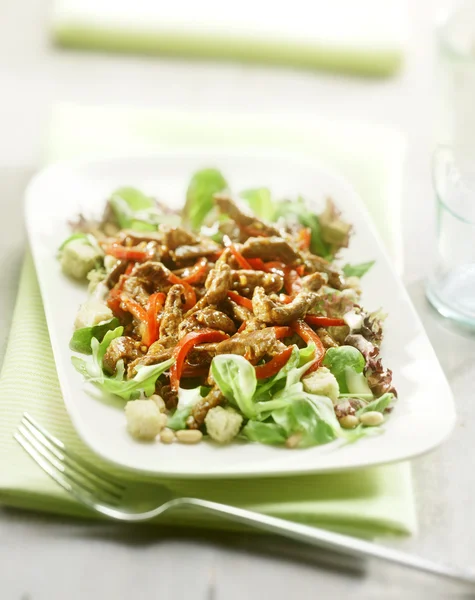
[
  {"x": 349, "y": 421},
  {"x": 189, "y": 436},
  {"x": 372, "y": 418},
  {"x": 159, "y": 402},
  {"x": 167, "y": 436}
]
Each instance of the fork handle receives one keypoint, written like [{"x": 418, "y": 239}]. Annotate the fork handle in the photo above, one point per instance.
[{"x": 323, "y": 538}]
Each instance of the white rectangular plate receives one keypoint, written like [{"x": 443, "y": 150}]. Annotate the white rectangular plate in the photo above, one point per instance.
[{"x": 424, "y": 414}]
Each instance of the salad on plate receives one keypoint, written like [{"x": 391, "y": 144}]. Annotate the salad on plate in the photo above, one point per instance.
[{"x": 231, "y": 320}]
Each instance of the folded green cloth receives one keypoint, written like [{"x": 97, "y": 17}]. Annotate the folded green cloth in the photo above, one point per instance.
[
  {"x": 365, "y": 37},
  {"x": 365, "y": 502}
]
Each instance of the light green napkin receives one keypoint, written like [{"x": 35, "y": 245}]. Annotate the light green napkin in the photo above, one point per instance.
[
  {"x": 365, "y": 37},
  {"x": 365, "y": 502}
]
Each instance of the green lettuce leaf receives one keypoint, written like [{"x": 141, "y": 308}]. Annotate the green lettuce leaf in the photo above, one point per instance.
[
  {"x": 345, "y": 362},
  {"x": 379, "y": 405},
  {"x": 260, "y": 202},
  {"x": 199, "y": 196},
  {"x": 310, "y": 417},
  {"x": 236, "y": 378},
  {"x": 265, "y": 433},
  {"x": 298, "y": 211},
  {"x": 82, "y": 338},
  {"x": 357, "y": 270},
  {"x": 134, "y": 210}
]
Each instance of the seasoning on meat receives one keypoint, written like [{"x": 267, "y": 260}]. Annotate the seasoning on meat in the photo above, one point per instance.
[
  {"x": 271, "y": 248},
  {"x": 266, "y": 310},
  {"x": 121, "y": 348}
]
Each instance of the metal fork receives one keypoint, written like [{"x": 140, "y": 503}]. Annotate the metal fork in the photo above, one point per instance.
[{"x": 104, "y": 494}]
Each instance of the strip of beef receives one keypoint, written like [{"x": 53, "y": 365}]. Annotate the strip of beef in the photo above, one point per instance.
[
  {"x": 156, "y": 354},
  {"x": 314, "y": 281},
  {"x": 132, "y": 237},
  {"x": 317, "y": 263},
  {"x": 201, "y": 355},
  {"x": 173, "y": 237},
  {"x": 217, "y": 284},
  {"x": 246, "y": 221},
  {"x": 135, "y": 288},
  {"x": 271, "y": 248},
  {"x": 244, "y": 281},
  {"x": 121, "y": 348},
  {"x": 117, "y": 270},
  {"x": 268, "y": 311},
  {"x": 186, "y": 253},
  {"x": 201, "y": 408},
  {"x": 326, "y": 338},
  {"x": 172, "y": 314},
  {"x": 206, "y": 318},
  {"x": 254, "y": 345},
  {"x": 153, "y": 275}
]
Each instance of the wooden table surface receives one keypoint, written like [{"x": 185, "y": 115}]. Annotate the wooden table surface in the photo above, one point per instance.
[{"x": 46, "y": 558}]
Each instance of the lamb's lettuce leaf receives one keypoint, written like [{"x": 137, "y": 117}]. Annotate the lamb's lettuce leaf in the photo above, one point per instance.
[
  {"x": 199, "y": 196},
  {"x": 236, "y": 378},
  {"x": 265, "y": 433},
  {"x": 347, "y": 365},
  {"x": 260, "y": 202},
  {"x": 82, "y": 338},
  {"x": 357, "y": 270}
]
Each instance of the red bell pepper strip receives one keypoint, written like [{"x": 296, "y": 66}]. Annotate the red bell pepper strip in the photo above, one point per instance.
[
  {"x": 198, "y": 271},
  {"x": 274, "y": 365},
  {"x": 124, "y": 253},
  {"x": 190, "y": 294},
  {"x": 242, "y": 327},
  {"x": 114, "y": 300},
  {"x": 257, "y": 263},
  {"x": 129, "y": 269},
  {"x": 242, "y": 262},
  {"x": 300, "y": 270},
  {"x": 282, "y": 332},
  {"x": 185, "y": 345},
  {"x": 309, "y": 336},
  {"x": 324, "y": 321},
  {"x": 155, "y": 304},
  {"x": 241, "y": 300},
  {"x": 292, "y": 282},
  {"x": 134, "y": 308},
  {"x": 305, "y": 238}
]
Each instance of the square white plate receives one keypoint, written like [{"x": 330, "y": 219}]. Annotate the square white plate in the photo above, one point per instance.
[{"x": 424, "y": 414}]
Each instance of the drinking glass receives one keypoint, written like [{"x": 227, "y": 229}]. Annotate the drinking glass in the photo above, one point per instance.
[{"x": 451, "y": 289}]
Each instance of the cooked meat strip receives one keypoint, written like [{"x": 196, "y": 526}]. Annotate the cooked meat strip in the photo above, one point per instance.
[
  {"x": 121, "y": 348},
  {"x": 201, "y": 355},
  {"x": 215, "y": 319},
  {"x": 170, "y": 397},
  {"x": 265, "y": 309},
  {"x": 201, "y": 408},
  {"x": 173, "y": 237},
  {"x": 247, "y": 222},
  {"x": 117, "y": 270},
  {"x": 172, "y": 313},
  {"x": 244, "y": 281},
  {"x": 314, "y": 281},
  {"x": 326, "y": 338},
  {"x": 134, "y": 288},
  {"x": 186, "y": 253},
  {"x": 271, "y": 248},
  {"x": 153, "y": 274},
  {"x": 132, "y": 237},
  {"x": 153, "y": 357},
  {"x": 253, "y": 346},
  {"x": 208, "y": 317},
  {"x": 217, "y": 284},
  {"x": 317, "y": 263}
]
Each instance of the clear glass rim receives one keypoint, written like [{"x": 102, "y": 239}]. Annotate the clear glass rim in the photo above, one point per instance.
[
  {"x": 450, "y": 150},
  {"x": 445, "y": 45}
]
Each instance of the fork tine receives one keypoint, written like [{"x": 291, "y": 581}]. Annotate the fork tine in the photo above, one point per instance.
[
  {"x": 68, "y": 475},
  {"x": 80, "y": 461},
  {"x": 64, "y": 458}
]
